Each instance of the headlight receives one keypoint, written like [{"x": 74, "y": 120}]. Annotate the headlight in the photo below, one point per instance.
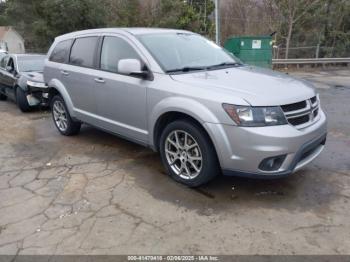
[
  {"x": 255, "y": 116},
  {"x": 36, "y": 84}
]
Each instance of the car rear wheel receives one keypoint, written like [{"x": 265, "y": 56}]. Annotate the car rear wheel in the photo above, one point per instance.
[
  {"x": 188, "y": 154},
  {"x": 62, "y": 119},
  {"x": 21, "y": 99}
]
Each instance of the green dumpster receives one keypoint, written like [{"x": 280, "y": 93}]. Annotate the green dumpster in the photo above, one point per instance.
[{"x": 252, "y": 50}]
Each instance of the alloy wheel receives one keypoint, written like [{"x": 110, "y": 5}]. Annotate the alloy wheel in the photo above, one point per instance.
[
  {"x": 183, "y": 154},
  {"x": 60, "y": 115}
]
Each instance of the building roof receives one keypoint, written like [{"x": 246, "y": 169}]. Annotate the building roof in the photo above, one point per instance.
[{"x": 5, "y": 29}]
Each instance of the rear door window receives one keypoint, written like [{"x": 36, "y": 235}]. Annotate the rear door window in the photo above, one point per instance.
[
  {"x": 83, "y": 51},
  {"x": 61, "y": 52}
]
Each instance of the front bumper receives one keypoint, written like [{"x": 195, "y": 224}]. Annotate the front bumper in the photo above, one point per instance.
[
  {"x": 37, "y": 96},
  {"x": 241, "y": 149}
]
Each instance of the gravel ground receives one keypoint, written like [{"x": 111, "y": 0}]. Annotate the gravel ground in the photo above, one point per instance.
[{"x": 98, "y": 194}]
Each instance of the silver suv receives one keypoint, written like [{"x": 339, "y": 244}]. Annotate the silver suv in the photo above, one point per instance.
[{"x": 186, "y": 97}]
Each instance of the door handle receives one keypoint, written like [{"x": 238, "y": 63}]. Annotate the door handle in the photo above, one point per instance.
[
  {"x": 65, "y": 73},
  {"x": 100, "y": 80}
]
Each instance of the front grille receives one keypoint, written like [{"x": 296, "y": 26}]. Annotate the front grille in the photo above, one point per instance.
[
  {"x": 299, "y": 120},
  {"x": 303, "y": 113},
  {"x": 313, "y": 100},
  {"x": 294, "y": 107}
]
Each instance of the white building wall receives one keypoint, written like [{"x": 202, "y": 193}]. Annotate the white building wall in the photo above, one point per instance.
[{"x": 14, "y": 42}]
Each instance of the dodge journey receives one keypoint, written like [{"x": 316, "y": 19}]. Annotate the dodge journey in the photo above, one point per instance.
[{"x": 179, "y": 93}]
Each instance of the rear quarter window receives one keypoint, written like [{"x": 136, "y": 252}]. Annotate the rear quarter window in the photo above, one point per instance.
[{"x": 61, "y": 52}]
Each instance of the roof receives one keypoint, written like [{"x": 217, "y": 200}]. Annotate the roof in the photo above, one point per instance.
[
  {"x": 125, "y": 30},
  {"x": 5, "y": 29},
  {"x": 149, "y": 30}
]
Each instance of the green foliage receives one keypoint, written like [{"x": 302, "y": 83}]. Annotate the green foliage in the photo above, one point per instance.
[
  {"x": 316, "y": 22},
  {"x": 336, "y": 28},
  {"x": 326, "y": 22},
  {"x": 62, "y": 16},
  {"x": 3, "y": 20},
  {"x": 22, "y": 15},
  {"x": 40, "y": 21},
  {"x": 122, "y": 13},
  {"x": 190, "y": 15},
  {"x": 175, "y": 14}
]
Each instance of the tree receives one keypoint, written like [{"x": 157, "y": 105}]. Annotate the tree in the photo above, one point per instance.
[
  {"x": 123, "y": 13},
  {"x": 297, "y": 22},
  {"x": 336, "y": 29},
  {"x": 181, "y": 14},
  {"x": 292, "y": 12},
  {"x": 22, "y": 15},
  {"x": 3, "y": 20},
  {"x": 62, "y": 16},
  {"x": 204, "y": 8},
  {"x": 40, "y": 21}
]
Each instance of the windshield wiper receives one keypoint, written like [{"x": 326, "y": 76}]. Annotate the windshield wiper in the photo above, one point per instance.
[
  {"x": 186, "y": 69},
  {"x": 224, "y": 64},
  {"x": 197, "y": 68}
]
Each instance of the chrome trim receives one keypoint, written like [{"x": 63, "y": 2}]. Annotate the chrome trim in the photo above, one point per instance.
[{"x": 308, "y": 110}]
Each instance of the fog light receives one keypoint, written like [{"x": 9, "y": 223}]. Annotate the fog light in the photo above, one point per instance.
[{"x": 272, "y": 163}]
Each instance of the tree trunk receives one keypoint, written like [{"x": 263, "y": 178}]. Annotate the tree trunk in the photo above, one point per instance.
[{"x": 289, "y": 36}]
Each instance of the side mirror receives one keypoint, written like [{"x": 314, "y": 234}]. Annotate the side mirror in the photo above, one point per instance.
[{"x": 132, "y": 67}]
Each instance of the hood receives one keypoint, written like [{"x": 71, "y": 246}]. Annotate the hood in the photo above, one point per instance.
[
  {"x": 258, "y": 86},
  {"x": 34, "y": 76}
]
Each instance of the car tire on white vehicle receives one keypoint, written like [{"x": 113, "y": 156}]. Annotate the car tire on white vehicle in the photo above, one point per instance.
[
  {"x": 188, "y": 153},
  {"x": 62, "y": 119}
]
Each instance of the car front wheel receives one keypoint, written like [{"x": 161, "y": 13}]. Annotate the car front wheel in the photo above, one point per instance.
[
  {"x": 21, "y": 99},
  {"x": 188, "y": 154},
  {"x": 62, "y": 119}
]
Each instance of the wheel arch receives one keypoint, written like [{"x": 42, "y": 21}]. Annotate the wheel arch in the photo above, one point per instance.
[
  {"x": 57, "y": 88},
  {"x": 173, "y": 108},
  {"x": 21, "y": 83}
]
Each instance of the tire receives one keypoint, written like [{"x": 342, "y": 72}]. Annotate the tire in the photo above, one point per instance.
[
  {"x": 201, "y": 171},
  {"x": 22, "y": 101},
  {"x": 2, "y": 97},
  {"x": 62, "y": 119}
]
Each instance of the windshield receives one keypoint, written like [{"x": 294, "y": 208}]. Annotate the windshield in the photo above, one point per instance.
[
  {"x": 31, "y": 63},
  {"x": 186, "y": 51}
]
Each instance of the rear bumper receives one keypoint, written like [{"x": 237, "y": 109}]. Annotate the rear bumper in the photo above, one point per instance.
[{"x": 242, "y": 149}]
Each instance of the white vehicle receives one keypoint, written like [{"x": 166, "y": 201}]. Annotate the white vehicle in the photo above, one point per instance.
[{"x": 182, "y": 95}]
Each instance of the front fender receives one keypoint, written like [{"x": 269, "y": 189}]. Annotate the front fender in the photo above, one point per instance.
[
  {"x": 183, "y": 105},
  {"x": 56, "y": 84},
  {"x": 21, "y": 82}
]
